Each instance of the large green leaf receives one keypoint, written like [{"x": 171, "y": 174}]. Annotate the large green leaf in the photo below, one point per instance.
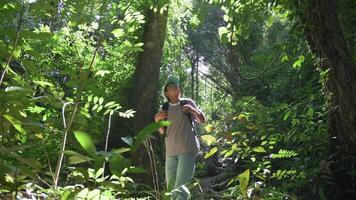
[
  {"x": 211, "y": 152},
  {"x": 298, "y": 63},
  {"x": 94, "y": 194},
  {"x": 85, "y": 141},
  {"x": 99, "y": 162},
  {"x": 118, "y": 32},
  {"x": 259, "y": 149},
  {"x": 16, "y": 123},
  {"x": 136, "y": 170},
  {"x": 19, "y": 147},
  {"x": 83, "y": 194},
  {"x": 43, "y": 83},
  {"x": 117, "y": 164},
  {"x": 128, "y": 140},
  {"x": 147, "y": 131},
  {"x": 244, "y": 179},
  {"x": 27, "y": 161},
  {"x": 209, "y": 139},
  {"x": 16, "y": 88},
  {"x": 76, "y": 158},
  {"x": 121, "y": 150}
]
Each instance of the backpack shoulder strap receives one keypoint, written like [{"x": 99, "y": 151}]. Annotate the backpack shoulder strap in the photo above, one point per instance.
[
  {"x": 183, "y": 102},
  {"x": 165, "y": 106}
]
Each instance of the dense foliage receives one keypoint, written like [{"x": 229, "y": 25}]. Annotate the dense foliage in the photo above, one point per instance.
[{"x": 69, "y": 70}]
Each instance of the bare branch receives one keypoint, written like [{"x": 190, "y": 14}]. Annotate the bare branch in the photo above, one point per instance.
[{"x": 15, "y": 43}]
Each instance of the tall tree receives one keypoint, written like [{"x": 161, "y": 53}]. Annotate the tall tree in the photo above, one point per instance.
[
  {"x": 193, "y": 74},
  {"x": 146, "y": 75},
  {"x": 325, "y": 35}
]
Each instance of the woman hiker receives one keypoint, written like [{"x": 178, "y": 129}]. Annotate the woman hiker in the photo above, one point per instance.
[{"x": 182, "y": 145}]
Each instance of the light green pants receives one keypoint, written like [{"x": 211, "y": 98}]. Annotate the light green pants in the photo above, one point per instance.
[{"x": 179, "y": 171}]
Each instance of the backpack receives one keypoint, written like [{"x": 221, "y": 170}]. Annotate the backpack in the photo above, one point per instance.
[{"x": 183, "y": 102}]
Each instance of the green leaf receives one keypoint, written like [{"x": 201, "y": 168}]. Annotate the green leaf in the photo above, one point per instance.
[
  {"x": 36, "y": 109},
  {"x": 140, "y": 44},
  {"x": 85, "y": 141},
  {"x": 95, "y": 107},
  {"x": 15, "y": 88},
  {"x": 136, "y": 170},
  {"x": 16, "y": 123},
  {"x": 28, "y": 161},
  {"x": 99, "y": 108},
  {"x": 83, "y": 194},
  {"x": 99, "y": 173},
  {"x": 96, "y": 99},
  {"x": 118, "y": 32},
  {"x": 90, "y": 98},
  {"x": 310, "y": 112},
  {"x": 104, "y": 154},
  {"x": 101, "y": 73},
  {"x": 147, "y": 131},
  {"x": 284, "y": 154},
  {"x": 298, "y": 63},
  {"x": 226, "y": 18},
  {"x": 101, "y": 100},
  {"x": 211, "y": 152},
  {"x": 233, "y": 180},
  {"x": 127, "y": 114},
  {"x": 287, "y": 115},
  {"x": 244, "y": 179},
  {"x": 77, "y": 158},
  {"x": 117, "y": 164},
  {"x": 259, "y": 149},
  {"x": 284, "y": 58},
  {"x": 17, "y": 52},
  {"x": 127, "y": 140},
  {"x": 31, "y": 162},
  {"x": 109, "y": 103},
  {"x": 107, "y": 112},
  {"x": 43, "y": 83},
  {"x": 121, "y": 150},
  {"x": 85, "y": 112},
  {"x": 100, "y": 160},
  {"x": 209, "y": 128},
  {"x": 229, "y": 153},
  {"x": 194, "y": 20},
  {"x": 20, "y": 147},
  {"x": 209, "y": 139},
  {"x": 94, "y": 194},
  {"x": 223, "y": 30}
]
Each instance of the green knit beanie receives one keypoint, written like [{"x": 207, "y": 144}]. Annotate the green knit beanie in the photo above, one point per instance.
[{"x": 171, "y": 80}]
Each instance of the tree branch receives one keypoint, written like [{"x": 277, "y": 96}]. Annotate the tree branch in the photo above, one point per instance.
[{"x": 15, "y": 43}]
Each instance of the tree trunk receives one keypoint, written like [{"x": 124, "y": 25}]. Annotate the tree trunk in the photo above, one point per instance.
[
  {"x": 326, "y": 38},
  {"x": 192, "y": 74},
  {"x": 146, "y": 81},
  {"x": 196, "y": 95}
]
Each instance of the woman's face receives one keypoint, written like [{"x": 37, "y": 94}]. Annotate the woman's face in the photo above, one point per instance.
[{"x": 172, "y": 92}]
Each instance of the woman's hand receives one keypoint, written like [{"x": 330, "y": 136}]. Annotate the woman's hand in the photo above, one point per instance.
[
  {"x": 161, "y": 115},
  {"x": 198, "y": 116},
  {"x": 161, "y": 131},
  {"x": 189, "y": 109}
]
